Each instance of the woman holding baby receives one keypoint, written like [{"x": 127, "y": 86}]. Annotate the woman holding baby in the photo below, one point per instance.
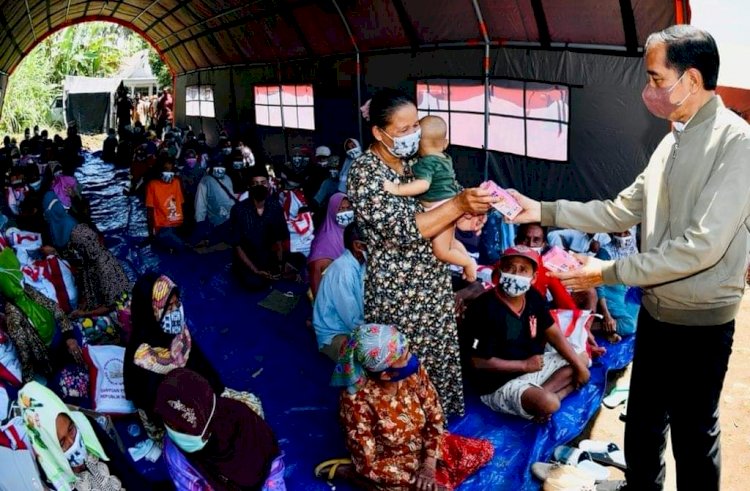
[{"x": 406, "y": 284}]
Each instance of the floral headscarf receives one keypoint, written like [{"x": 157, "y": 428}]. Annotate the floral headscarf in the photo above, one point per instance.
[
  {"x": 40, "y": 407},
  {"x": 371, "y": 348},
  {"x": 163, "y": 288}
]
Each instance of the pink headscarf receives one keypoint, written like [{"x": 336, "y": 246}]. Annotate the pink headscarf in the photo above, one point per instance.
[{"x": 329, "y": 240}]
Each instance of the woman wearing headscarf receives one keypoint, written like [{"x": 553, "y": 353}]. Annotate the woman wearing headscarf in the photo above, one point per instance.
[
  {"x": 64, "y": 187},
  {"x": 353, "y": 150},
  {"x": 73, "y": 451},
  {"x": 35, "y": 323},
  {"x": 103, "y": 285},
  {"x": 160, "y": 342},
  {"x": 328, "y": 244},
  {"x": 395, "y": 429},
  {"x": 215, "y": 443}
]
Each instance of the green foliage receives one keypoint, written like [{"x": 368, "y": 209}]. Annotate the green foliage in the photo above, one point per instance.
[
  {"x": 160, "y": 69},
  {"x": 92, "y": 49},
  {"x": 29, "y": 94}
]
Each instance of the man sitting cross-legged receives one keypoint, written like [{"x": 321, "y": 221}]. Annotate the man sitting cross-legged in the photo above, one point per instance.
[{"x": 507, "y": 330}]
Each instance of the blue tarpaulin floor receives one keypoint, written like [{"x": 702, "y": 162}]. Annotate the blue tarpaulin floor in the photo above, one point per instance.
[{"x": 275, "y": 356}]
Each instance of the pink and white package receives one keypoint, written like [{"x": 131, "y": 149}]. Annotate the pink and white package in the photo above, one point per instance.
[
  {"x": 507, "y": 205},
  {"x": 560, "y": 261}
]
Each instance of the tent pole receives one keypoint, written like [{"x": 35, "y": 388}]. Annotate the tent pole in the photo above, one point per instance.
[
  {"x": 359, "y": 68},
  {"x": 486, "y": 76},
  {"x": 359, "y": 99}
]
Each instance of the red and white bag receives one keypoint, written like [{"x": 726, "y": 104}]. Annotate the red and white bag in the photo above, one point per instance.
[
  {"x": 576, "y": 326},
  {"x": 10, "y": 366}
]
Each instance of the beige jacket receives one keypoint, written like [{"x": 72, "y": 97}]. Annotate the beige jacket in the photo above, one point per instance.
[{"x": 693, "y": 203}]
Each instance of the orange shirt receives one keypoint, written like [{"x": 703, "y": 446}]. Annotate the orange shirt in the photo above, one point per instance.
[{"x": 166, "y": 200}]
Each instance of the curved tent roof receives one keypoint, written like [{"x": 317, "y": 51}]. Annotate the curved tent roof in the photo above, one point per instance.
[{"x": 198, "y": 34}]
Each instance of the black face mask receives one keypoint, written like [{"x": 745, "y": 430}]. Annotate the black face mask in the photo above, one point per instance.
[{"x": 259, "y": 192}]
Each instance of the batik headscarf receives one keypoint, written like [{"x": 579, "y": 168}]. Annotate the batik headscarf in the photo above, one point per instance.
[
  {"x": 164, "y": 359},
  {"x": 40, "y": 408},
  {"x": 371, "y": 348}
]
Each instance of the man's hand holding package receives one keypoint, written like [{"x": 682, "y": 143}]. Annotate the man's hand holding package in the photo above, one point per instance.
[{"x": 589, "y": 275}]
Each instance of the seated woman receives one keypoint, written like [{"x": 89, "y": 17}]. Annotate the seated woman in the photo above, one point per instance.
[
  {"x": 619, "y": 310},
  {"x": 159, "y": 343},
  {"x": 72, "y": 450},
  {"x": 103, "y": 284},
  {"x": 215, "y": 443},
  {"x": 328, "y": 244},
  {"x": 38, "y": 327},
  {"x": 395, "y": 429}
]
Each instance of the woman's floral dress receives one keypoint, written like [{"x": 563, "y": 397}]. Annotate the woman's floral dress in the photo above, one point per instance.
[{"x": 405, "y": 284}]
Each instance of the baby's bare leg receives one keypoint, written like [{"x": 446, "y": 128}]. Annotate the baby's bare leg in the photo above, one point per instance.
[{"x": 444, "y": 249}]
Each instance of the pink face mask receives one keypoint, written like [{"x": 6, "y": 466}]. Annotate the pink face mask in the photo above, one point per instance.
[{"x": 657, "y": 99}]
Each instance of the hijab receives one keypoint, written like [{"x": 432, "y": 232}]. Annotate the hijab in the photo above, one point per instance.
[
  {"x": 240, "y": 445},
  {"x": 40, "y": 408},
  {"x": 343, "y": 175},
  {"x": 329, "y": 240},
  {"x": 371, "y": 348},
  {"x": 152, "y": 353},
  {"x": 61, "y": 224}
]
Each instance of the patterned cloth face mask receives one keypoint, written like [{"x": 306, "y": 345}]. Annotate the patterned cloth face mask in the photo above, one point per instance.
[
  {"x": 404, "y": 146},
  {"x": 514, "y": 285},
  {"x": 173, "y": 322},
  {"x": 344, "y": 218}
]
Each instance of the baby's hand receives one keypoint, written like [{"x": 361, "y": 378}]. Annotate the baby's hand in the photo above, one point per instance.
[{"x": 390, "y": 187}]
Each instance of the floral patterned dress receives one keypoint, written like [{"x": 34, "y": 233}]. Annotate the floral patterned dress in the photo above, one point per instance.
[
  {"x": 389, "y": 435},
  {"x": 405, "y": 284}
]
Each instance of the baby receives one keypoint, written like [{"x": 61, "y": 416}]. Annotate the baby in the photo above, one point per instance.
[{"x": 434, "y": 184}]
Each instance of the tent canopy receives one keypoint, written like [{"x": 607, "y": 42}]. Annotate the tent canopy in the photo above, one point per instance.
[
  {"x": 201, "y": 33},
  {"x": 89, "y": 85}
]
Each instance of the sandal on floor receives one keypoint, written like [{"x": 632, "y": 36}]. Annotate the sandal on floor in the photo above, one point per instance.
[
  {"x": 616, "y": 396},
  {"x": 326, "y": 470},
  {"x": 607, "y": 453},
  {"x": 581, "y": 460}
]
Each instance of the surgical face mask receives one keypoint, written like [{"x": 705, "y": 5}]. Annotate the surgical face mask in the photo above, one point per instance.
[
  {"x": 323, "y": 162},
  {"x": 538, "y": 250},
  {"x": 404, "y": 146},
  {"x": 167, "y": 176},
  {"x": 76, "y": 454},
  {"x": 353, "y": 153},
  {"x": 173, "y": 322},
  {"x": 259, "y": 192},
  {"x": 36, "y": 185},
  {"x": 624, "y": 242},
  {"x": 191, "y": 443},
  {"x": 226, "y": 150},
  {"x": 514, "y": 285},
  {"x": 334, "y": 173},
  {"x": 238, "y": 164},
  {"x": 344, "y": 218},
  {"x": 219, "y": 172},
  {"x": 658, "y": 99},
  {"x": 191, "y": 162},
  {"x": 411, "y": 367}
]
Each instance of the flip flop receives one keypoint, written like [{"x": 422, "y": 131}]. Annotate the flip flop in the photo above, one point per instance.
[
  {"x": 616, "y": 396},
  {"x": 330, "y": 466},
  {"x": 581, "y": 460},
  {"x": 607, "y": 453}
]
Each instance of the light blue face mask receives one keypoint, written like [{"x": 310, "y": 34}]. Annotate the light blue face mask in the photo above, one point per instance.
[{"x": 191, "y": 443}]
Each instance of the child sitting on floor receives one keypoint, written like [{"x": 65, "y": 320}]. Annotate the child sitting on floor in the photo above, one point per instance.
[{"x": 434, "y": 184}]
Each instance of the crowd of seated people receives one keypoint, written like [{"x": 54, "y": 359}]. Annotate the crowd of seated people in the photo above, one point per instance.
[{"x": 306, "y": 220}]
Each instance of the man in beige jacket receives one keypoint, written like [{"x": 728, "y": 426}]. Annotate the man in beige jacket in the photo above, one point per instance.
[{"x": 693, "y": 204}]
